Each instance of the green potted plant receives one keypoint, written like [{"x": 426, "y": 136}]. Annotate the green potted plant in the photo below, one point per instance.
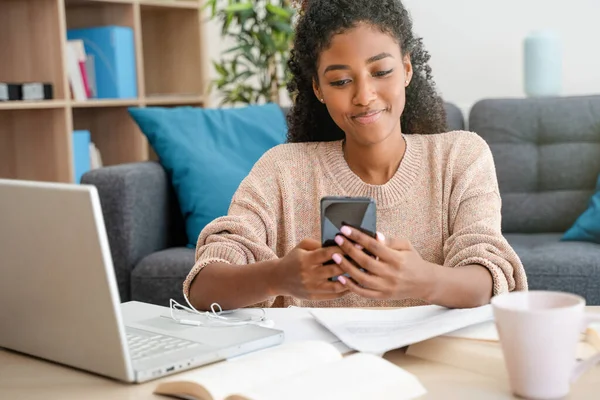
[{"x": 254, "y": 69}]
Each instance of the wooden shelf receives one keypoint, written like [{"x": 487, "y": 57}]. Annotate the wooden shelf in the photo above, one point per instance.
[
  {"x": 32, "y": 105},
  {"x": 174, "y": 100},
  {"x": 31, "y": 43},
  {"x": 33, "y": 145},
  {"x": 189, "y": 4},
  {"x": 92, "y": 103},
  {"x": 36, "y": 136},
  {"x": 93, "y": 2},
  {"x": 171, "y": 65}
]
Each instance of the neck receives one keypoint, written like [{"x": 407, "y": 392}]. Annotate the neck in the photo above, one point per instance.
[{"x": 375, "y": 164}]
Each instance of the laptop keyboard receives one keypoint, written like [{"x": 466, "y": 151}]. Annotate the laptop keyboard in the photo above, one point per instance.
[{"x": 146, "y": 346}]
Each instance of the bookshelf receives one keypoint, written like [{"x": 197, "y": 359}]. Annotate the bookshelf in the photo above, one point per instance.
[{"x": 171, "y": 68}]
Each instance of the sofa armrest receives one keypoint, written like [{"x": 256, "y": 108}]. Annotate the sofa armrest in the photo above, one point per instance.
[{"x": 140, "y": 212}]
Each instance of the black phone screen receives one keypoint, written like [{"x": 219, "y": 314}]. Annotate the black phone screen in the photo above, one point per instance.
[{"x": 357, "y": 212}]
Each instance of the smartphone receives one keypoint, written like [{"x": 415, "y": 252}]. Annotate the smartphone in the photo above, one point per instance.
[{"x": 357, "y": 212}]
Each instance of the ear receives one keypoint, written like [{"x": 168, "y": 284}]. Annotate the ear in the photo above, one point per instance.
[
  {"x": 317, "y": 91},
  {"x": 408, "y": 69}
]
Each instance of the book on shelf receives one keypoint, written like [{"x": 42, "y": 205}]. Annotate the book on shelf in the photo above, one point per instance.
[
  {"x": 81, "y": 154},
  {"x": 86, "y": 155},
  {"x": 295, "y": 371},
  {"x": 110, "y": 50},
  {"x": 74, "y": 74}
]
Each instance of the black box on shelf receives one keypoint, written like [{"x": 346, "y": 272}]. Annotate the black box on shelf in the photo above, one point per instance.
[
  {"x": 10, "y": 91},
  {"x": 28, "y": 91}
]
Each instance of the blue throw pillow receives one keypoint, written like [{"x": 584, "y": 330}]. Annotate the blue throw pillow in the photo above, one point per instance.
[
  {"x": 208, "y": 152},
  {"x": 587, "y": 227}
]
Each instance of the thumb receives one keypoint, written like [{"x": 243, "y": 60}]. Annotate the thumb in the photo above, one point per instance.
[{"x": 309, "y": 244}]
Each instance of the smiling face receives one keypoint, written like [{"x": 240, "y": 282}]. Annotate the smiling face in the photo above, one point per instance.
[{"x": 362, "y": 77}]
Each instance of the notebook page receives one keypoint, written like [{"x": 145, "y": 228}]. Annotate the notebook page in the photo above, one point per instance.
[
  {"x": 260, "y": 368},
  {"x": 378, "y": 331},
  {"x": 357, "y": 377}
]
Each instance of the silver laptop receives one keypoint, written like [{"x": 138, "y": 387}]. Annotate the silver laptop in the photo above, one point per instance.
[{"x": 59, "y": 298}]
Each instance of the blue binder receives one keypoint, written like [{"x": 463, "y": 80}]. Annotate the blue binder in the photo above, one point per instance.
[
  {"x": 113, "y": 50},
  {"x": 81, "y": 154}
]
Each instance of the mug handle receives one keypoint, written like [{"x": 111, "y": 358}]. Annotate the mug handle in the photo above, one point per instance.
[{"x": 582, "y": 366}]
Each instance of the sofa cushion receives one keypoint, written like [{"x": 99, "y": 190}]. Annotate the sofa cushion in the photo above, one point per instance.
[
  {"x": 207, "y": 153},
  {"x": 587, "y": 226},
  {"x": 552, "y": 264},
  {"x": 547, "y": 157},
  {"x": 159, "y": 276}
]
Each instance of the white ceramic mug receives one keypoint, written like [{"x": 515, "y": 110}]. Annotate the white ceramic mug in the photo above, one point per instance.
[{"x": 539, "y": 332}]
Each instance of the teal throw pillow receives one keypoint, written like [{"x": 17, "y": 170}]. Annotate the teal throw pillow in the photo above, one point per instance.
[
  {"x": 208, "y": 152},
  {"x": 587, "y": 227}
]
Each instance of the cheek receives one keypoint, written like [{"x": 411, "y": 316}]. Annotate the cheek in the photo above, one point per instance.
[
  {"x": 392, "y": 91},
  {"x": 339, "y": 104}
]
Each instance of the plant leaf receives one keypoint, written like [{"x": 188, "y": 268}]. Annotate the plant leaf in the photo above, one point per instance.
[
  {"x": 237, "y": 7},
  {"x": 276, "y": 10}
]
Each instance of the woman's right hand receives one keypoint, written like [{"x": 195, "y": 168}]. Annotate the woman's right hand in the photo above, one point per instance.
[{"x": 301, "y": 272}]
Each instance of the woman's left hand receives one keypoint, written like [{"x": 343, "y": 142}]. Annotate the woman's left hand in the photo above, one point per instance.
[{"x": 395, "y": 271}]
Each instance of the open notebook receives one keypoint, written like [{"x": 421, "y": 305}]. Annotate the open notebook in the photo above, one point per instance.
[{"x": 296, "y": 371}]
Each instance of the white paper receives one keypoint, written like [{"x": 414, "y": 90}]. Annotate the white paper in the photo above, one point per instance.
[
  {"x": 484, "y": 331},
  {"x": 299, "y": 325},
  {"x": 378, "y": 331},
  {"x": 356, "y": 377}
]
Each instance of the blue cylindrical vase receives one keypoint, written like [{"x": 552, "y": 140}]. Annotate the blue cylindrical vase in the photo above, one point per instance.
[{"x": 543, "y": 64}]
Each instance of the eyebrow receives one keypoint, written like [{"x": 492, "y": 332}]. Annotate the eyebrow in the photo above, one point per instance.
[{"x": 337, "y": 67}]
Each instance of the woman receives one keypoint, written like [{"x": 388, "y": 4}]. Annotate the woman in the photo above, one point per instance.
[{"x": 366, "y": 121}]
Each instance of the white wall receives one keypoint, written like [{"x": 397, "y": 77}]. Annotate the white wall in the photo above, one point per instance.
[{"x": 476, "y": 45}]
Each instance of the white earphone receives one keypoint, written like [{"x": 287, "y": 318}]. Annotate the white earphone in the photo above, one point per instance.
[{"x": 216, "y": 314}]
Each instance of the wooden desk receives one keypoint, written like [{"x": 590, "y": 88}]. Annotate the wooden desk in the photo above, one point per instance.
[{"x": 26, "y": 378}]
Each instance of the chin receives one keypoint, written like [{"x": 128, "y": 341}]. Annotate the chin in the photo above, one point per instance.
[{"x": 373, "y": 133}]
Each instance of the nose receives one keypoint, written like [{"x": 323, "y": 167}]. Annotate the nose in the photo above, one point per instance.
[{"x": 364, "y": 93}]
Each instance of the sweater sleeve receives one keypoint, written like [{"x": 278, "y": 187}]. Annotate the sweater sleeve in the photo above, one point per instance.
[
  {"x": 475, "y": 219},
  {"x": 248, "y": 233}
]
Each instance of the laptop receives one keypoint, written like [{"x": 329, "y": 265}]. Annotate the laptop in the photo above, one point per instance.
[{"x": 59, "y": 299}]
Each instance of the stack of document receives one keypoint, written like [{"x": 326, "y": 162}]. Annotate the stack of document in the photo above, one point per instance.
[
  {"x": 379, "y": 331},
  {"x": 375, "y": 331}
]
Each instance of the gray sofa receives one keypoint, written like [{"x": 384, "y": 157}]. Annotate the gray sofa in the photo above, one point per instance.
[{"x": 547, "y": 154}]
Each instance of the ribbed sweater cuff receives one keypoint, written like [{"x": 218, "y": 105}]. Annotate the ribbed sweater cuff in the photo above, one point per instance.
[
  {"x": 498, "y": 277},
  {"x": 200, "y": 264}
]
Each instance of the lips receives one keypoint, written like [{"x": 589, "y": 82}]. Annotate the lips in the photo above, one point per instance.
[{"x": 368, "y": 117}]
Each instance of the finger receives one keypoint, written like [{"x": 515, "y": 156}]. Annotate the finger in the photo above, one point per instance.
[
  {"x": 363, "y": 278},
  {"x": 363, "y": 291},
  {"x": 359, "y": 256},
  {"x": 332, "y": 287},
  {"x": 329, "y": 271},
  {"x": 309, "y": 244},
  {"x": 372, "y": 245},
  {"x": 323, "y": 254}
]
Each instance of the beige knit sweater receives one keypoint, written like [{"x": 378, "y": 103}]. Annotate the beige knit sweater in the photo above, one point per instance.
[{"x": 444, "y": 198}]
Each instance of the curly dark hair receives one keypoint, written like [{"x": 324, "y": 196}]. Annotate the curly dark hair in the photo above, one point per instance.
[{"x": 319, "y": 21}]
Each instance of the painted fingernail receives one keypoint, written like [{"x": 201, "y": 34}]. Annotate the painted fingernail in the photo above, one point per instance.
[
  {"x": 339, "y": 240},
  {"x": 341, "y": 279},
  {"x": 337, "y": 258},
  {"x": 346, "y": 231},
  {"x": 358, "y": 246},
  {"x": 380, "y": 237}
]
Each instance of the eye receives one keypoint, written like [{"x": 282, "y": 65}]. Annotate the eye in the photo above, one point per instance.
[
  {"x": 340, "y": 82},
  {"x": 383, "y": 73}
]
